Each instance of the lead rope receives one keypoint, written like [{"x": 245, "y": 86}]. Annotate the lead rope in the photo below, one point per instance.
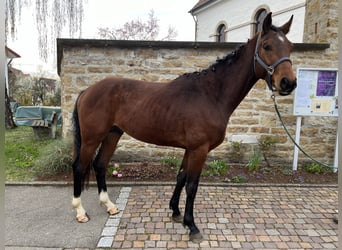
[{"x": 290, "y": 136}]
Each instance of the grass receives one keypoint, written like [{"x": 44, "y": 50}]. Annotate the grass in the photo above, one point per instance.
[{"x": 26, "y": 157}]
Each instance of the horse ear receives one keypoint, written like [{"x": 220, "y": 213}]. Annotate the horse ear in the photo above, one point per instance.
[
  {"x": 266, "y": 26},
  {"x": 286, "y": 27}
]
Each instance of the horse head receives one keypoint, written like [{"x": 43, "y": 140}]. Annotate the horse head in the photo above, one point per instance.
[{"x": 272, "y": 57}]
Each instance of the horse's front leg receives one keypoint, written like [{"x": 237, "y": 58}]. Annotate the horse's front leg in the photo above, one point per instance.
[
  {"x": 191, "y": 190},
  {"x": 174, "y": 202},
  {"x": 195, "y": 164}
]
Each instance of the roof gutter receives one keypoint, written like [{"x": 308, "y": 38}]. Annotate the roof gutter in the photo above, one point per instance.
[{"x": 204, "y": 6}]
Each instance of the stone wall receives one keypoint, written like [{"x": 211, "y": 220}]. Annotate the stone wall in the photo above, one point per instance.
[{"x": 83, "y": 62}]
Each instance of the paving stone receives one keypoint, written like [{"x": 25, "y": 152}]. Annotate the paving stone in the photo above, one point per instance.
[
  {"x": 229, "y": 218},
  {"x": 109, "y": 231},
  {"x": 105, "y": 242}
]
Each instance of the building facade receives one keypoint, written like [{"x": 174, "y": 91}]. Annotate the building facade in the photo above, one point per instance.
[{"x": 237, "y": 21}]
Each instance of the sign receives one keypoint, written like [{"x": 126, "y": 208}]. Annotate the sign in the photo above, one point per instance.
[
  {"x": 316, "y": 95},
  {"x": 316, "y": 92}
]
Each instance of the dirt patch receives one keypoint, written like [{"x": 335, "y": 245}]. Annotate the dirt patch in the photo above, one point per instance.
[{"x": 235, "y": 173}]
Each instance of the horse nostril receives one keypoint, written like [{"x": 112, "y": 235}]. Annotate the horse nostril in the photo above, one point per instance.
[
  {"x": 284, "y": 83},
  {"x": 288, "y": 85}
]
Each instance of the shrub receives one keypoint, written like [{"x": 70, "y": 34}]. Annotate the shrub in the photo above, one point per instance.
[
  {"x": 315, "y": 168},
  {"x": 55, "y": 158},
  {"x": 171, "y": 161},
  {"x": 215, "y": 168},
  {"x": 266, "y": 143},
  {"x": 237, "y": 152},
  {"x": 254, "y": 162},
  {"x": 239, "y": 179}
]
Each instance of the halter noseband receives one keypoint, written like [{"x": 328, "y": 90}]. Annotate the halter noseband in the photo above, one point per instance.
[{"x": 269, "y": 68}]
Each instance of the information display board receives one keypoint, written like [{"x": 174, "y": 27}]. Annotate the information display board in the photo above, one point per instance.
[{"x": 316, "y": 92}]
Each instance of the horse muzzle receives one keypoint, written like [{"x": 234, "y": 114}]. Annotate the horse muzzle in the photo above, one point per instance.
[{"x": 287, "y": 86}]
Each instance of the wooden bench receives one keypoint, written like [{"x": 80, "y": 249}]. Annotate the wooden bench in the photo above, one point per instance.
[{"x": 41, "y": 127}]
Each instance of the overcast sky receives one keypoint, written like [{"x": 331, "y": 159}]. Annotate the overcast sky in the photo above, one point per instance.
[
  {"x": 107, "y": 13},
  {"x": 116, "y": 13}
]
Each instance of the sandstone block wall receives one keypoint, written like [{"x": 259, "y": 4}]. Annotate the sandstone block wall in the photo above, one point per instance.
[{"x": 83, "y": 62}]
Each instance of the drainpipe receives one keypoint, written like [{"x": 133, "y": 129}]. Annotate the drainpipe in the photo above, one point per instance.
[{"x": 195, "y": 20}]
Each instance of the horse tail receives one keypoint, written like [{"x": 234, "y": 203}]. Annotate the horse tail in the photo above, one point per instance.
[
  {"x": 77, "y": 147},
  {"x": 77, "y": 132}
]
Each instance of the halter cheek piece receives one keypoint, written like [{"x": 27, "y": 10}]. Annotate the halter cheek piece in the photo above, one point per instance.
[{"x": 269, "y": 68}]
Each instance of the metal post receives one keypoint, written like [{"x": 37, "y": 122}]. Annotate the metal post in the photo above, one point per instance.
[
  {"x": 336, "y": 155},
  {"x": 295, "y": 152}
]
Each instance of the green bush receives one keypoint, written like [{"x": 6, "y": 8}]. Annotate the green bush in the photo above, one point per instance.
[
  {"x": 239, "y": 179},
  {"x": 266, "y": 144},
  {"x": 171, "y": 161},
  {"x": 215, "y": 168},
  {"x": 237, "y": 152},
  {"x": 55, "y": 158},
  {"x": 315, "y": 168},
  {"x": 254, "y": 162}
]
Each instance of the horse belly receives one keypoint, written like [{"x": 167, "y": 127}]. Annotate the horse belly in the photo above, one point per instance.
[
  {"x": 158, "y": 135},
  {"x": 190, "y": 133}
]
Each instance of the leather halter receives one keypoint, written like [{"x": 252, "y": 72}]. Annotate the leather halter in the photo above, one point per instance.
[{"x": 269, "y": 68}]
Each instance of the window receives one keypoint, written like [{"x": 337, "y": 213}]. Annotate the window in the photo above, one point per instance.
[
  {"x": 221, "y": 33},
  {"x": 258, "y": 20}
]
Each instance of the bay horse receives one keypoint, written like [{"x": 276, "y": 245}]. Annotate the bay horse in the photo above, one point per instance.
[{"x": 190, "y": 112}]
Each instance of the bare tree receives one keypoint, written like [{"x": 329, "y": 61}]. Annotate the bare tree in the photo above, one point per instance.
[
  {"x": 137, "y": 30},
  {"x": 51, "y": 17}
]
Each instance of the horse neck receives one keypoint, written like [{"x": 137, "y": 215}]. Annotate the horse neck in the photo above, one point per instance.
[{"x": 237, "y": 78}]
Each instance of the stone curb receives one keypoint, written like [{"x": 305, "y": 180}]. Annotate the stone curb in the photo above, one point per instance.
[{"x": 146, "y": 183}]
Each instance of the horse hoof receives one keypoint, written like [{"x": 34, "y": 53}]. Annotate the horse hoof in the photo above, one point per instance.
[
  {"x": 83, "y": 218},
  {"x": 177, "y": 219},
  {"x": 113, "y": 211},
  {"x": 196, "y": 238}
]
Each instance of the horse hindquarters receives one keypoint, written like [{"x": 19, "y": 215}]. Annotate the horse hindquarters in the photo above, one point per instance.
[{"x": 85, "y": 146}]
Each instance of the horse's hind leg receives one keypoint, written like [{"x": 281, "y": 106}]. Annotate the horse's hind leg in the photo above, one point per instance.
[
  {"x": 100, "y": 166},
  {"x": 81, "y": 168}
]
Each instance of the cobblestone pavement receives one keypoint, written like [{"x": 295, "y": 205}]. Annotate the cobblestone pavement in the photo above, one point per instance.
[{"x": 231, "y": 217}]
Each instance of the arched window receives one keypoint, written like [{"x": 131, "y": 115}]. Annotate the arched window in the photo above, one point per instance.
[
  {"x": 258, "y": 20},
  {"x": 221, "y": 33}
]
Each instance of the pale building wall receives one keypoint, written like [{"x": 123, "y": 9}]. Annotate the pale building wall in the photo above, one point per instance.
[{"x": 239, "y": 16}]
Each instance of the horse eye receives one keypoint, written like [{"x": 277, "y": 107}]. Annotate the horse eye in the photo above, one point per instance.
[{"x": 266, "y": 47}]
